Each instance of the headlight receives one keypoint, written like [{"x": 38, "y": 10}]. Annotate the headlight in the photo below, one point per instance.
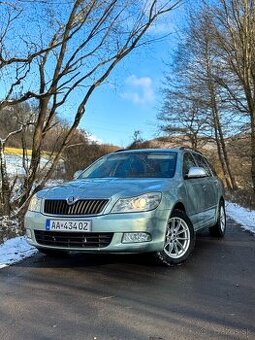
[
  {"x": 140, "y": 203},
  {"x": 35, "y": 204}
]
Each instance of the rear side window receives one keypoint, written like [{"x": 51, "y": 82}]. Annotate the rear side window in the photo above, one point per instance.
[
  {"x": 188, "y": 162},
  {"x": 201, "y": 162}
]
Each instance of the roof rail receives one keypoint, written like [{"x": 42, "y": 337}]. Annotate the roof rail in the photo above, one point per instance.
[
  {"x": 190, "y": 149},
  {"x": 120, "y": 150}
]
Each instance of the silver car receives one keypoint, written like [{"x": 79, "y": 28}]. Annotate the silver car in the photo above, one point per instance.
[{"x": 133, "y": 201}]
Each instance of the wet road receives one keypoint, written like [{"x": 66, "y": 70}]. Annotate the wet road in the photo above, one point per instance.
[{"x": 128, "y": 297}]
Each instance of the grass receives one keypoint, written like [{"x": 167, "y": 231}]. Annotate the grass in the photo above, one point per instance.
[
  {"x": 243, "y": 197},
  {"x": 19, "y": 152},
  {"x": 16, "y": 151}
]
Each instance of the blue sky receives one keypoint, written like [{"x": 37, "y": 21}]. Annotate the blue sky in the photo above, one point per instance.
[{"x": 130, "y": 99}]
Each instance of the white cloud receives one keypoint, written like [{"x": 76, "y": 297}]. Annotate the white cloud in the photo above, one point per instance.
[
  {"x": 164, "y": 24},
  {"x": 94, "y": 139},
  {"x": 139, "y": 90},
  {"x": 163, "y": 28}
]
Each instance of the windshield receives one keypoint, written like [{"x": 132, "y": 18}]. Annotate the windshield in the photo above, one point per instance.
[{"x": 133, "y": 165}]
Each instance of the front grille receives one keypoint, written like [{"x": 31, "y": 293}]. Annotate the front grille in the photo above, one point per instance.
[
  {"x": 81, "y": 207},
  {"x": 73, "y": 239}
]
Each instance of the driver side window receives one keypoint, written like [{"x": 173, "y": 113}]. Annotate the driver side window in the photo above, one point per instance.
[
  {"x": 188, "y": 162},
  {"x": 203, "y": 164}
]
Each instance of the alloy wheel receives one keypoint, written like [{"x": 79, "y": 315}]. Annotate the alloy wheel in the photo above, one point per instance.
[
  {"x": 177, "y": 238},
  {"x": 222, "y": 219}
]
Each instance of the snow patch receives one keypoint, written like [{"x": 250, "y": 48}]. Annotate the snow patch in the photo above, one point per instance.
[
  {"x": 15, "y": 250},
  {"x": 15, "y": 164},
  {"x": 243, "y": 216}
]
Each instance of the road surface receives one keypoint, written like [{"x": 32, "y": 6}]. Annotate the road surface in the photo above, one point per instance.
[{"x": 128, "y": 297}]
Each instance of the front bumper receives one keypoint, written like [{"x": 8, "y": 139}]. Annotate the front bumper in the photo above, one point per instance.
[{"x": 153, "y": 223}]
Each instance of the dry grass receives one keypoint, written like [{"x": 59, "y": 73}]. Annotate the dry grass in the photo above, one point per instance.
[
  {"x": 19, "y": 152},
  {"x": 243, "y": 197},
  {"x": 16, "y": 151}
]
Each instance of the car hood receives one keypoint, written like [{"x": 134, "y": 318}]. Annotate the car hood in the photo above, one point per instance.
[{"x": 103, "y": 188}]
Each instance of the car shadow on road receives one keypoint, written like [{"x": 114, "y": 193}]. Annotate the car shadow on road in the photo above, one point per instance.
[
  {"x": 206, "y": 245},
  {"x": 76, "y": 259}
]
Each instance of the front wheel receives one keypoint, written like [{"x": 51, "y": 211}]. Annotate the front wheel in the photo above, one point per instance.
[
  {"x": 179, "y": 241},
  {"x": 219, "y": 229}
]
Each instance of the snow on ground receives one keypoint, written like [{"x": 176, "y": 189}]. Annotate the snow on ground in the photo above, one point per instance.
[
  {"x": 17, "y": 249},
  {"x": 245, "y": 217},
  {"x": 15, "y": 166}
]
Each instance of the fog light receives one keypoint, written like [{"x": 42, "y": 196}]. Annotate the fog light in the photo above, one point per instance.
[
  {"x": 29, "y": 233},
  {"x": 136, "y": 237}
]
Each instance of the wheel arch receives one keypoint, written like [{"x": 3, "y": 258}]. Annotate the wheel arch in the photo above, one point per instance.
[{"x": 178, "y": 206}]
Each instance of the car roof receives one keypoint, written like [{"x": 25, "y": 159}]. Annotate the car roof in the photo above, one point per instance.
[{"x": 176, "y": 149}]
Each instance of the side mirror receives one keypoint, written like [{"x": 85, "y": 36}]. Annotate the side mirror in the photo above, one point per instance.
[
  {"x": 77, "y": 174},
  {"x": 196, "y": 172}
]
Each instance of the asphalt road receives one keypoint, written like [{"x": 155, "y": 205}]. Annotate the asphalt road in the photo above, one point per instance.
[{"x": 212, "y": 296}]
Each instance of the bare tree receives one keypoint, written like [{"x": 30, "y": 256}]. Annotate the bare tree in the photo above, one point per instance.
[
  {"x": 199, "y": 103},
  {"x": 233, "y": 33},
  {"x": 67, "y": 53},
  {"x": 183, "y": 113}
]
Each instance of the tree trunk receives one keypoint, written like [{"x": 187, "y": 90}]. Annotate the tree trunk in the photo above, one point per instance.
[
  {"x": 221, "y": 159},
  {"x": 4, "y": 184},
  {"x": 225, "y": 154},
  {"x": 253, "y": 151},
  {"x": 36, "y": 150},
  {"x": 221, "y": 146}
]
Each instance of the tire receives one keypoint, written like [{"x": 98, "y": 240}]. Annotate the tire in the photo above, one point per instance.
[
  {"x": 52, "y": 252},
  {"x": 180, "y": 240},
  {"x": 219, "y": 229}
]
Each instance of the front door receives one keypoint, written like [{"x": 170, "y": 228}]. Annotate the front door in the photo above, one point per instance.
[
  {"x": 210, "y": 189},
  {"x": 196, "y": 192}
]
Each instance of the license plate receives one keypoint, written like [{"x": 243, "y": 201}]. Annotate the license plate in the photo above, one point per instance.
[{"x": 65, "y": 225}]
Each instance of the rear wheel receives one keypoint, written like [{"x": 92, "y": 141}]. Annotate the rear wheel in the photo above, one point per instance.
[
  {"x": 219, "y": 229},
  {"x": 179, "y": 241}
]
